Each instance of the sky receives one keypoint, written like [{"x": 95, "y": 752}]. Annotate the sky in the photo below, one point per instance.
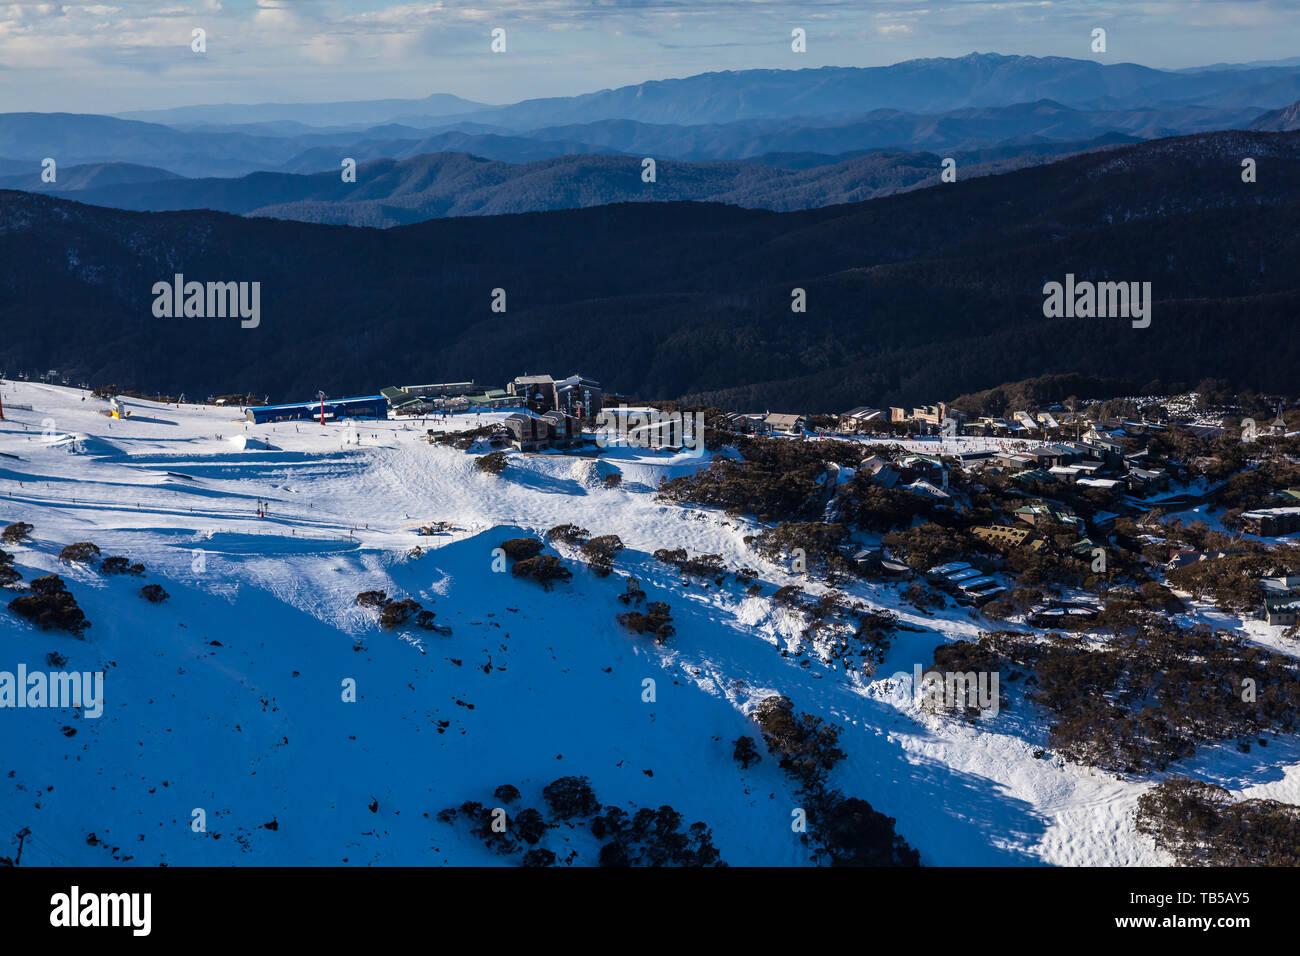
[{"x": 108, "y": 57}]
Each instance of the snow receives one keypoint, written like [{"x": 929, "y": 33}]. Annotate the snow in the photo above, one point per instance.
[{"x": 228, "y": 697}]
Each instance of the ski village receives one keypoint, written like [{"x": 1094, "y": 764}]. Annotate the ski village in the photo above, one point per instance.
[{"x": 992, "y": 630}]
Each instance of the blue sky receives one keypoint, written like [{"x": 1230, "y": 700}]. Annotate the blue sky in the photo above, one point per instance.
[{"x": 115, "y": 56}]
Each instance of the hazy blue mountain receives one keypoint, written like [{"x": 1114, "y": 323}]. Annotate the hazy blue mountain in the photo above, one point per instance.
[
  {"x": 973, "y": 102},
  {"x": 929, "y": 85},
  {"x": 79, "y": 138},
  {"x": 78, "y": 178},
  {"x": 351, "y": 113},
  {"x": 1287, "y": 118},
  {"x": 510, "y": 149},
  {"x": 391, "y": 192},
  {"x": 962, "y": 129},
  {"x": 824, "y": 139}
]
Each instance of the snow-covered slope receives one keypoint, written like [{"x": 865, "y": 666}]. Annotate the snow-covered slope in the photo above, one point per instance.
[{"x": 229, "y": 697}]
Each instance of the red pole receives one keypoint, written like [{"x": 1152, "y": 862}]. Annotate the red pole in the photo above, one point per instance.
[
  {"x": 2, "y": 409},
  {"x": 322, "y": 411}
]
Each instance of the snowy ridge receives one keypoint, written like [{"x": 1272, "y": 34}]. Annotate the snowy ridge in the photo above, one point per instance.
[{"x": 228, "y": 696}]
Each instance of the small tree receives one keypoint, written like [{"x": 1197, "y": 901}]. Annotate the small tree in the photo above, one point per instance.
[
  {"x": 745, "y": 753},
  {"x": 120, "y": 565},
  {"x": 16, "y": 533},
  {"x": 545, "y": 569},
  {"x": 154, "y": 593},
  {"x": 81, "y": 551},
  {"x": 571, "y": 797},
  {"x": 568, "y": 534},
  {"x": 517, "y": 549},
  {"x": 49, "y": 605},
  {"x": 600, "y": 552},
  {"x": 656, "y": 621}
]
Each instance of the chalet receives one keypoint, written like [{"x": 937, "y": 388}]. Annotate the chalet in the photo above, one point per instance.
[
  {"x": 528, "y": 433},
  {"x": 926, "y": 489},
  {"x": 1281, "y": 610},
  {"x": 735, "y": 422},
  {"x": 940, "y": 572},
  {"x": 785, "y": 424},
  {"x": 1040, "y": 512},
  {"x": 1269, "y": 522},
  {"x": 565, "y": 430},
  {"x": 862, "y": 417}
]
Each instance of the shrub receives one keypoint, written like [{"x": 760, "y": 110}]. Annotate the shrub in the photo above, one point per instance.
[
  {"x": 805, "y": 744},
  {"x": 775, "y": 479},
  {"x": 632, "y": 593},
  {"x": 676, "y": 557},
  {"x": 788, "y": 596},
  {"x": 1201, "y": 825},
  {"x": 1145, "y": 699},
  {"x": 613, "y": 480},
  {"x": 539, "y": 856},
  {"x": 506, "y": 793},
  {"x": 8, "y": 573},
  {"x": 703, "y": 566},
  {"x": 154, "y": 593},
  {"x": 372, "y": 598},
  {"x": 120, "y": 565},
  {"x": 545, "y": 569},
  {"x": 654, "y": 838},
  {"x": 397, "y": 613},
  {"x": 571, "y": 797},
  {"x": 853, "y": 833},
  {"x": 492, "y": 463},
  {"x": 16, "y": 533},
  {"x": 818, "y": 541},
  {"x": 600, "y": 552},
  {"x": 49, "y": 605},
  {"x": 517, "y": 549},
  {"x": 929, "y": 544},
  {"x": 657, "y": 621},
  {"x": 529, "y": 825},
  {"x": 81, "y": 551},
  {"x": 744, "y": 752},
  {"x": 568, "y": 534}
]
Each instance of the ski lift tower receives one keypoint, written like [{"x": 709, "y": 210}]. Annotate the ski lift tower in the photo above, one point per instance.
[{"x": 321, "y": 396}]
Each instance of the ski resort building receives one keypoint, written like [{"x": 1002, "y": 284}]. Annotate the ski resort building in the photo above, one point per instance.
[{"x": 369, "y": 406}]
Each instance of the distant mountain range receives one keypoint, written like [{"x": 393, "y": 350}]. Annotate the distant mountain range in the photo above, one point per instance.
[
  {"x": 398, "y": 192},
  {"x": 924, "y": 294},
  {"x": 354, "y": 113},
  {"x": 75, "y": 139},
  {"x": 929, "y": 86},
  {"x": 972, "y": 102}
]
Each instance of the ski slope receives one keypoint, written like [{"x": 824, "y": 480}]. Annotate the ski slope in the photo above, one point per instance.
[{"x": 228, "y": 698}]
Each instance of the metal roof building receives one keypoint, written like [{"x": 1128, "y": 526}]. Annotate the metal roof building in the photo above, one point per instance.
[{"x": 369, "y": 406}]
